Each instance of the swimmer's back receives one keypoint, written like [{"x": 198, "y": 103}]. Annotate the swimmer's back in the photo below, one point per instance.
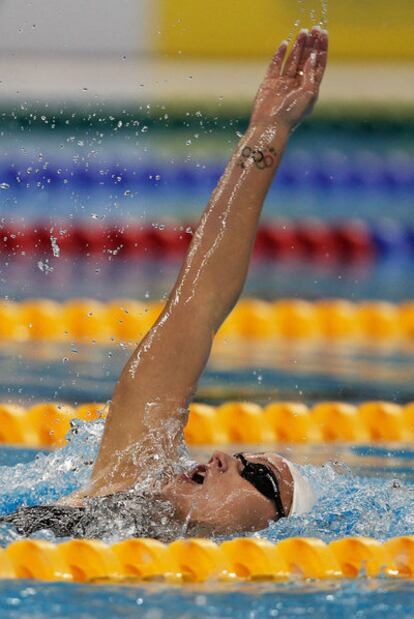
[
  {"x": 62, "y": 521},
  {"x": 118, "y": 516}
]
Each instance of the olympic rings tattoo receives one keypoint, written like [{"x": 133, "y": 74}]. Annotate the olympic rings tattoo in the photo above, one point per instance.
[{"x": 262, "y": 158}]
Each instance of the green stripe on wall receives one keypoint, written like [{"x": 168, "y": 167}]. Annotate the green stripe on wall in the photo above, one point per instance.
[{"x": 216, "y": 118}]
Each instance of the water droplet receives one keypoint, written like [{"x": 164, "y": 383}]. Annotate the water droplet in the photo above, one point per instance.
[
  {"x": 45, "y": 266},
  {"x": 55, "y": 246},
  {"x": 4, "y": 186}
]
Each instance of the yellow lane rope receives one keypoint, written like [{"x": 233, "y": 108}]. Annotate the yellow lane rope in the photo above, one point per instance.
[
  {"x": 199, "y": 560},
  {"x": 128, "y": 320},
  {"x": 46, "y": 424}
]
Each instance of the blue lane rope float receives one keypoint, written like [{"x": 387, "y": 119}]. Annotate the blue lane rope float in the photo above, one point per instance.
[{"x": 327, "y": 170}]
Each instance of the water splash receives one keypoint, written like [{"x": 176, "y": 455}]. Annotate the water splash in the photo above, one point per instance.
[
  {"x": 44, "y": 266},
  {"x": 350, "y": 504},
  {"x": 347, "y": 505},
  {"x": 54, "y": 244},
  {"x": 51, "y": 476},
  {"x": 324, "y": 14}
]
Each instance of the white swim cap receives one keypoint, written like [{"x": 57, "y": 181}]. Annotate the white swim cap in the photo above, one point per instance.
[{"x": 304, "y": 497}]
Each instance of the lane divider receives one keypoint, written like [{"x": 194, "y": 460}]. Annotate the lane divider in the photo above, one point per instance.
[
  {"x": 301, "y": 169},
  {"x": 200, "y": 560},
  {"x": 315, "y": 240},
  {"x": 127, "y": 320},
  {"x": 46, "y": 424}
]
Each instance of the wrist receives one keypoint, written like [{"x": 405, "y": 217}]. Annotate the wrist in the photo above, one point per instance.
[
  {"x": 270, "y": 133},
  {"x": 262, "y": 147}
]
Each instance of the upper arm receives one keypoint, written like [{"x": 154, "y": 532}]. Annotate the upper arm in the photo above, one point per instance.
[{"x": 149, "y": 405}]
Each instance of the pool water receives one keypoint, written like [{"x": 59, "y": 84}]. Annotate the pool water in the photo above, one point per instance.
[
  {"x": 332, "y": 171},
  {"x": 369, "y": 493},
  {"x": 257, "y": 370},
  {"x": 361, "y": 491},
  {"x": 369, "y": 599}
]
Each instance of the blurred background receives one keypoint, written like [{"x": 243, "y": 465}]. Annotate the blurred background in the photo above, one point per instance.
[{"x": 117, "y": 119}]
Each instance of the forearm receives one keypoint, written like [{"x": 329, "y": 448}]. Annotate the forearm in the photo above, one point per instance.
[{"x": 216, "y": 265}]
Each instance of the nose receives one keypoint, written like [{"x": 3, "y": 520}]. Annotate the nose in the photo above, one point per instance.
[{"x": 220, "y": 460}]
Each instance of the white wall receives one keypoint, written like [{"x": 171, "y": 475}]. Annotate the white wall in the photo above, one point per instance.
[{"x": 76, "y": 26}]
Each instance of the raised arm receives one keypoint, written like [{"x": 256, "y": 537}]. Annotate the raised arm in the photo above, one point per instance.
[{"x": 149, "y": 406}]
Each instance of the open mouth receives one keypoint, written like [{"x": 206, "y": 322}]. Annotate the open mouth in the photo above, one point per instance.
[{"x": 197, "y": 474}]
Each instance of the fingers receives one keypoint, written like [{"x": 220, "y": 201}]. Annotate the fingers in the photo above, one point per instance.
[
  {"x": 309, "y": 78},
  {"x": 307, "y": 48},
  {"x": 322, "y": 56},
  {"x": 298, "y": 63},
  {"x": 316, "y": 58},
  {"x": 291, "y": 66},
  {"x": 276, "y": 63}
]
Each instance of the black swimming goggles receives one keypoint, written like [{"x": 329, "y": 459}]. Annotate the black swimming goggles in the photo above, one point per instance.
[{"x": 263, "y": 479}]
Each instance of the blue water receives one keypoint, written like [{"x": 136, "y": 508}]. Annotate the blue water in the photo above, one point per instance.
[
  {"x": 105, "y": 278},
  {"x": 370, "y": 493},
  {"x": 357, "y": 599},
  {"x": 258, "y": 370}
]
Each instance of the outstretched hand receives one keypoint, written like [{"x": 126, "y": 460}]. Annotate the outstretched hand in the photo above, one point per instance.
[{"x": 291, "y": 87}]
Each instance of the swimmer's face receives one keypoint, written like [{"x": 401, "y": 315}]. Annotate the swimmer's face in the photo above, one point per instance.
[{"x": 216, "y": 496}]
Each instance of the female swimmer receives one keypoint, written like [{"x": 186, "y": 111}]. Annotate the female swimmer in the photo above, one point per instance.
[{"x": 141, "y": 483}]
